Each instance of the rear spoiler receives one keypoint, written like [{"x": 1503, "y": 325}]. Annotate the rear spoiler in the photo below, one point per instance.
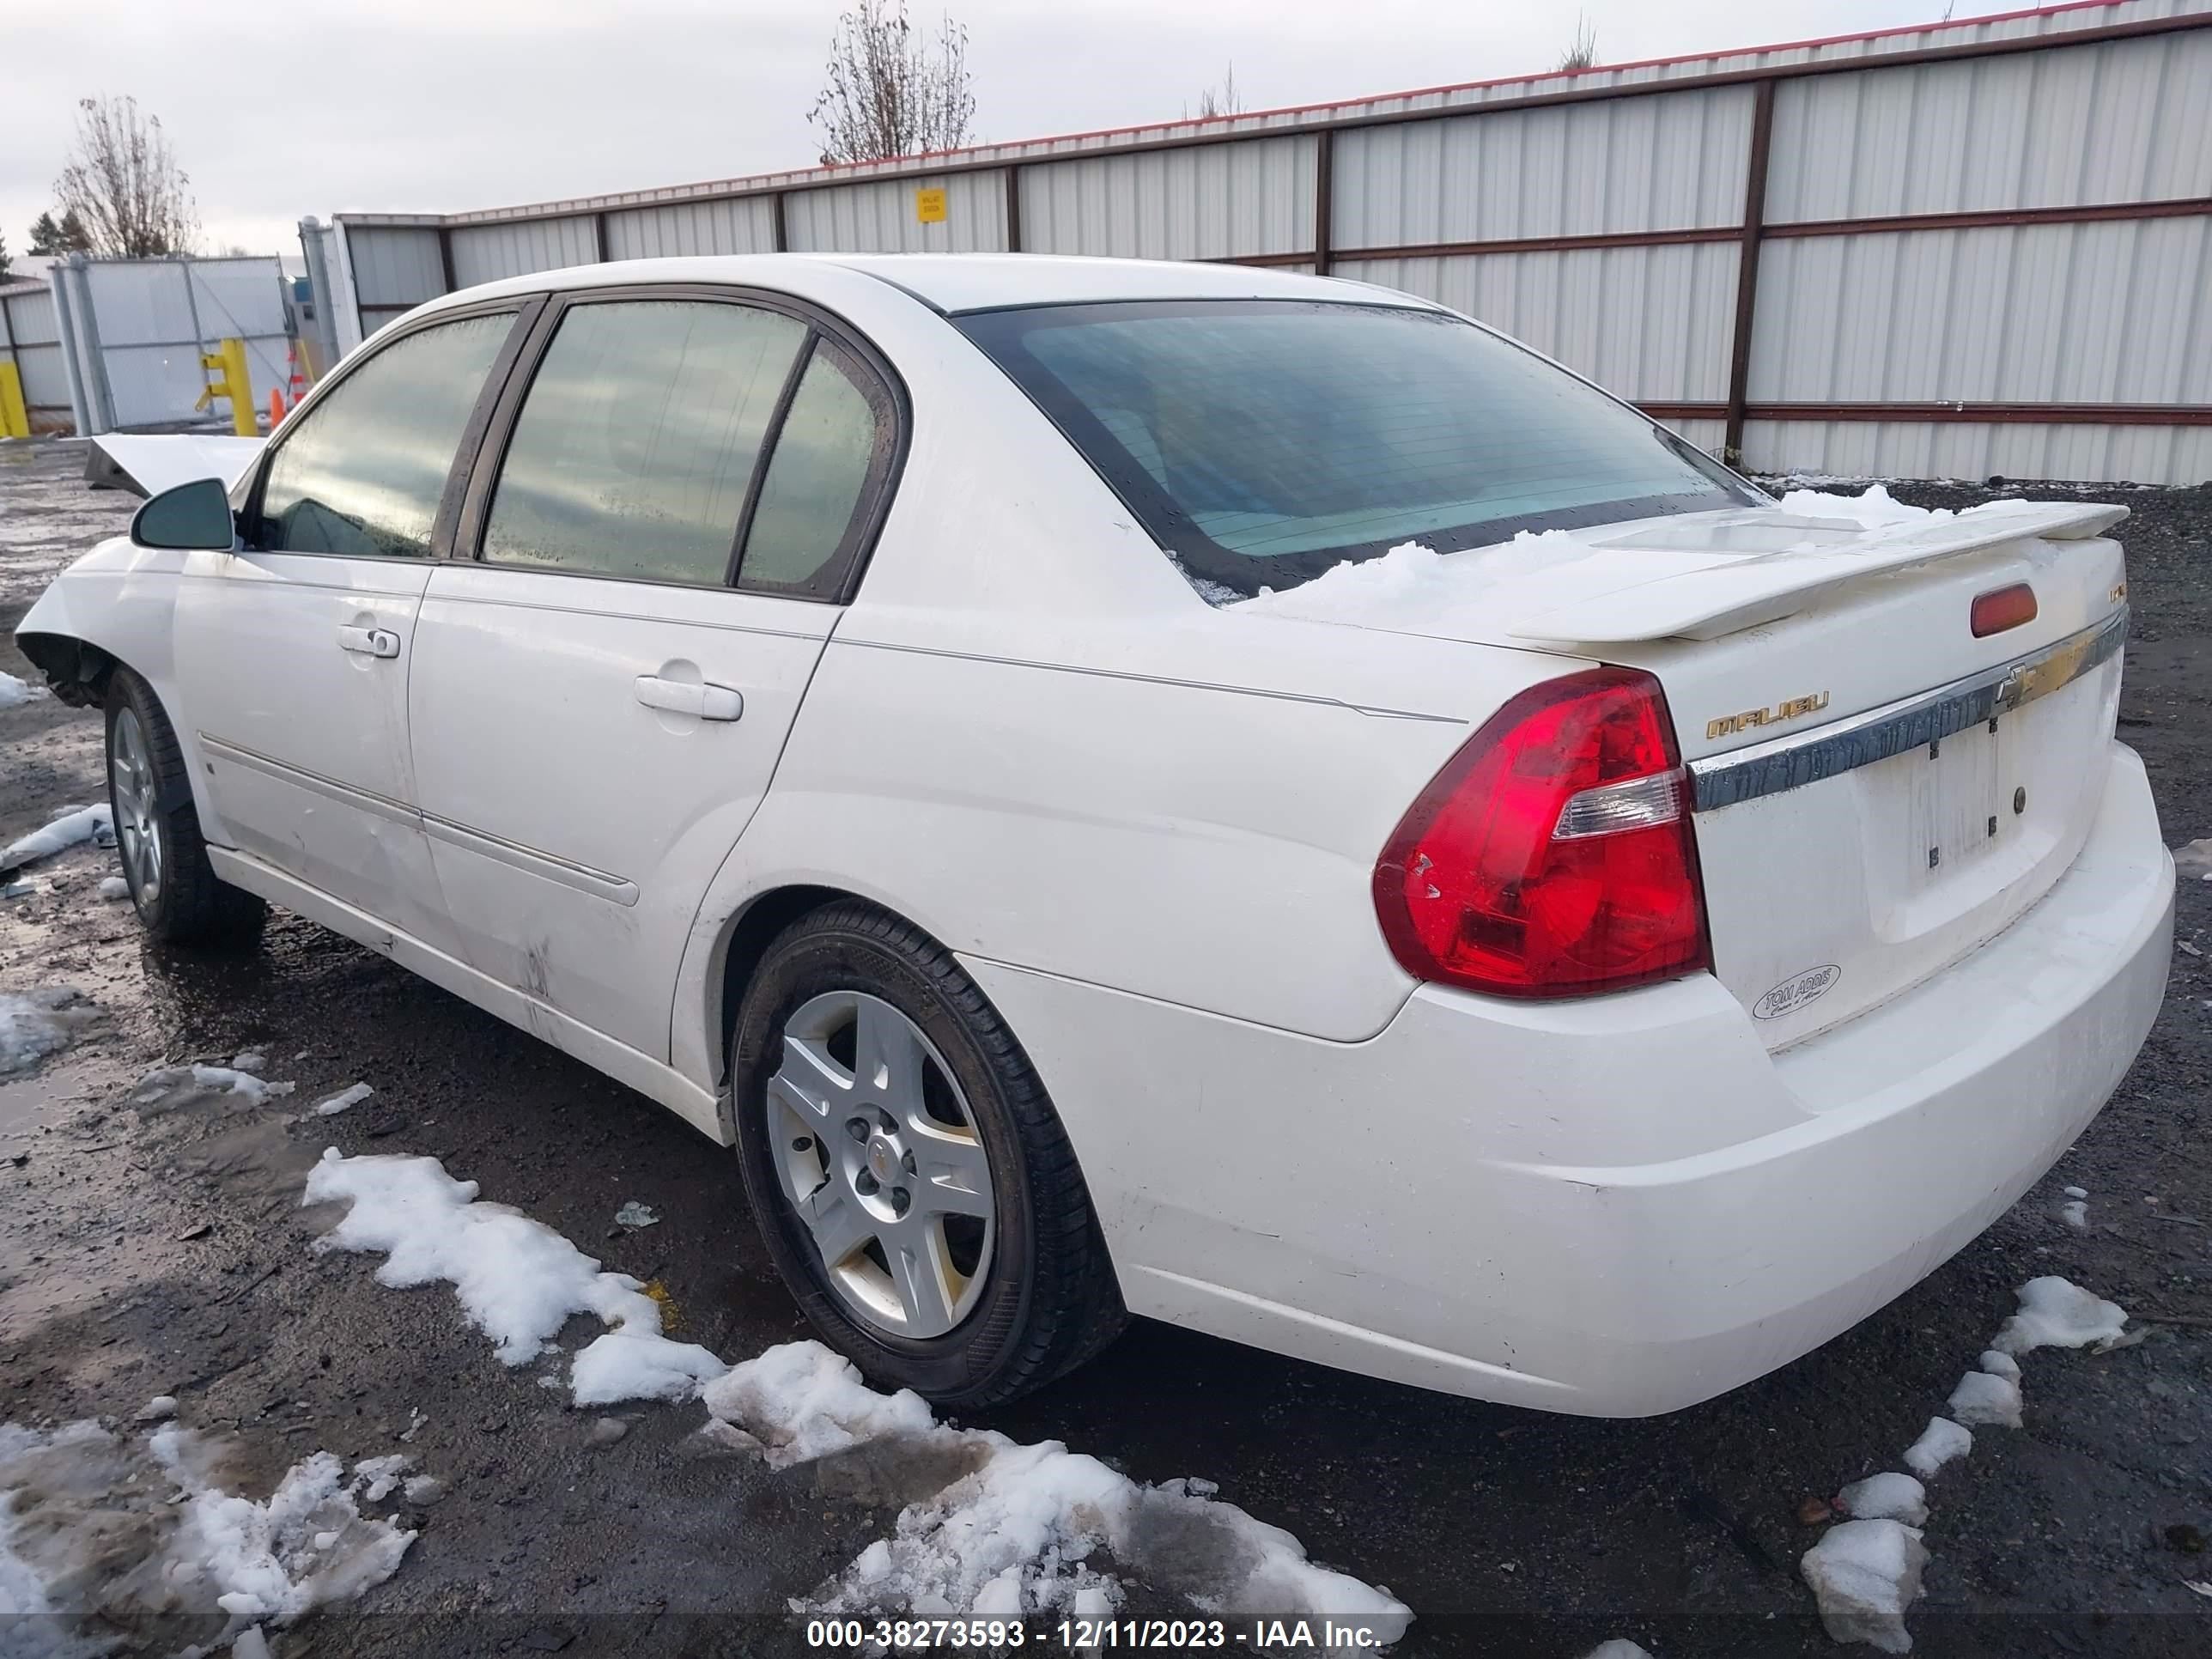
[{"x": 1703, "y": 605}]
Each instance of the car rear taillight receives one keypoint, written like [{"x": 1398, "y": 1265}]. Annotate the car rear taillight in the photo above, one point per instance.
[{"x": 1553, "y": 857}]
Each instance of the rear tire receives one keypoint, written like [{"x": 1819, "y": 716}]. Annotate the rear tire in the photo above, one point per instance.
[
  {"x": 1028, "y": 1291},
  {"x": 175, "y": 890}
]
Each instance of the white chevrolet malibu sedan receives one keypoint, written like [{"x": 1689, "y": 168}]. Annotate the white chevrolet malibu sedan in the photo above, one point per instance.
[{"x": 1127, "y": 788}]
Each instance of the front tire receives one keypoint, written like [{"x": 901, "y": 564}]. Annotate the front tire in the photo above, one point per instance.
[
  {"x": 912, "y": 1182},
  {"x": 175, "y": 890}
]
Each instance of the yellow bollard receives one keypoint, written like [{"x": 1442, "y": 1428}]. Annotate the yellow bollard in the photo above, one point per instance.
[
  {"x": 14, "y": 418},
  {"x": 234, "y": 384}
]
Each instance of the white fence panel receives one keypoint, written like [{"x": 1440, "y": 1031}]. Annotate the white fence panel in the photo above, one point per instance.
[
  {"x": 1220, "y": 201},
  {"x": 485, "y": 254},
  {"x": 395, "y": 268},
  {"x": 882, "y": 217},
  {"x": 1651, "y": 324},
  {"x": 741, "y": 226},
  {"x": 1670, "y": 161}
]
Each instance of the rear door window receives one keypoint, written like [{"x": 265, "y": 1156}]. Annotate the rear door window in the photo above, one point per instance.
[
  {"x": 636, "y": 447},
  {"x": 833, "y": 454},
  {"x": 364, "y": 470},
  {"x": 1261, "y": 442}
]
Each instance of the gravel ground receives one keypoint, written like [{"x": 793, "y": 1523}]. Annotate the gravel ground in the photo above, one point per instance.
[{"x": 165, "y": 1253}]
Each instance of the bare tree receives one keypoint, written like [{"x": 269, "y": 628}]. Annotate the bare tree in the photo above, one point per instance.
[
  {"x": 122, "y": 185},
  {"x": 4, "y": 258},
  {"x": 1581, "y": 53},
  {"x": 893, "y": 91},
  {"x": 1224, "y": 100}
]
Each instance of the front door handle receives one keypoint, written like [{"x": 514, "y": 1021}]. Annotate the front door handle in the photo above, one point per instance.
[
  {"x": 707, "y": 702},
  {"x": 369, "y": 641}
]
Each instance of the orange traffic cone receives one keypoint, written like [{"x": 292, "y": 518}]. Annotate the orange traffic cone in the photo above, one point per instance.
[
  {"x": 276, "y": 408},
  {"x": 299, "y": 385}
]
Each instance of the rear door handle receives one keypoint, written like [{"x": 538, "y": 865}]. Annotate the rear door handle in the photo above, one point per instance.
[
  {"x": 369, "y": 641},
  {"x": 708, "y": 703}
]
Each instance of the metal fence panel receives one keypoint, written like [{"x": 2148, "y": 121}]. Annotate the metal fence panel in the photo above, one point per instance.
[
  {"x": 1665, "y": 162},
  {"x": 681, "y": 227},
  {"x": 2065, "y": 155},
  {"x": 2091, "y": 453},
  {"x": 882, "y": 217},
  {"x": 2116, "y": 121},
  {"x": 2110, "y": 312},
  {"x": 395, "y": 268},
  {"x": 1649, "y": 323},
  {"x": 485, "y": 254},
  {"x": 35, "y": 338},
  {"x": 1221, "y": 202}
]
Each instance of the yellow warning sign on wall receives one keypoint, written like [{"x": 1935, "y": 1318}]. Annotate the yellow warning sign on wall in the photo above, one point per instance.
[{"x": 929, "y": 206}]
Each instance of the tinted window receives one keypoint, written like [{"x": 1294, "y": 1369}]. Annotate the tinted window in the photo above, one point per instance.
[
  {"x": 1262, "y": 443},
  {"x": 834, "y": 445},
  {"x": 636, "y": 443},
  {"x": 363, "y": 471}
]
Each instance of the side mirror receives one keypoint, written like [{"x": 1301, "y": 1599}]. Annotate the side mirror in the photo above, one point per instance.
[{"x": 193, "y": 516}]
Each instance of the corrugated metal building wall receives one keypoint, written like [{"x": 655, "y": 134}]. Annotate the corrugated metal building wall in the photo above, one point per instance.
[
  {"x": 1975, "y": 247},
  {"x": 31, "y": 337}
]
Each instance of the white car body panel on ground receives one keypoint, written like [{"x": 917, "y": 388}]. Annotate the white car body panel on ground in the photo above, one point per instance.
[{"x": 1149, "y": 827}]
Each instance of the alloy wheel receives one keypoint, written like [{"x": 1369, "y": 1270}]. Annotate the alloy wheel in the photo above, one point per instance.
[
  {"x": 879, "y": 1155},
  {"x": 138, "y": 823}
]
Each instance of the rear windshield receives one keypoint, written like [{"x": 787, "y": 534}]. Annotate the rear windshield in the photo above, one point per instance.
[{"x": 1261, "y": 442}]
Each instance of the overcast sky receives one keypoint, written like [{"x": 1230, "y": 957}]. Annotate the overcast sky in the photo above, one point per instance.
[{"x": 440, "y": 105}]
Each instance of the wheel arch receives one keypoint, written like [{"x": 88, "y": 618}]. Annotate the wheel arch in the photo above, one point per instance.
[
  {"x": 77, "y": 669},
  {"x": 743, "y": 941}
]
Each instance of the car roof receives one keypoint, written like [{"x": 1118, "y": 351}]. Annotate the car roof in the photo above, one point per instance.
[{"x": 953, "y": 282}]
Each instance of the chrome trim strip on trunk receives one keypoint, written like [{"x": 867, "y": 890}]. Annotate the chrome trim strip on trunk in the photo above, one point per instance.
[{"x": 1913, "y": 722}]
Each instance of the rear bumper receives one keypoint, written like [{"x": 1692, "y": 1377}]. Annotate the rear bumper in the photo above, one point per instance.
[{"x": 1616, "y": 1208}]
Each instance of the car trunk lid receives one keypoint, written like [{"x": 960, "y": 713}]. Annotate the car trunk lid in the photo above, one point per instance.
[{"x": 1879, "y": 792}]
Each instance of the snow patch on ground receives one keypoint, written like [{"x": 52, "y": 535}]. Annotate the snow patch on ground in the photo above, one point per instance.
[
  {"x": 345, "y": 1100},
  {"x": 1999, "y": 1365},
  {"x": 1010, "y": 1527},
  {"x": 1942, "y": 1441},
  {"x": 69, "y": 827},
  {"x": 1865, "y": 1575},
  {"x": 13, "y": 691},
  {"x": 1888, "y": 1497},
  {"x": 517, "y": 1280},
  {"x": 169, "y": 1087},
  {"x": 2056, "y": 1313},
  {"x": 141, "y": 1531},
  {"x": 1015, "y": 1532},
  {"x": 36, "y": 1024},
  {"x": 2076, "y": 1215},
  {"x": 1983, "y": 1397},
  {"x": 113, "y": 887},
  {"x": 1619, "y": 1648}
]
